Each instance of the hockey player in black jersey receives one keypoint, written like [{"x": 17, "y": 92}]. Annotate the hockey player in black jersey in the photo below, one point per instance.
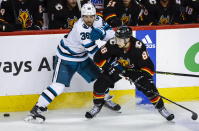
[
  {"x": 62, "y": 13},
  {"x": 21, "y": 15},
  {"x": 122, "y": 12},
  {"x": 125, "y": 55},
  {"x": 169, "y": 12},
  {"x": 191, "y": 11},
  {"x": 160, "y": 12}
]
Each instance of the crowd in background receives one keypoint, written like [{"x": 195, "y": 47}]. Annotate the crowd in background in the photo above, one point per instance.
[{"x": 62, "y": 14}]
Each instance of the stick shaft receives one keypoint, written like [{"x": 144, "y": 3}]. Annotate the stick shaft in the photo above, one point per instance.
[
  {"x": 175, "y": 103},
  {"x": 177, "y": 74}
]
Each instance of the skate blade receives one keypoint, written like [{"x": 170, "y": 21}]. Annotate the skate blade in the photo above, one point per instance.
[{"x": 30, "y": 119}]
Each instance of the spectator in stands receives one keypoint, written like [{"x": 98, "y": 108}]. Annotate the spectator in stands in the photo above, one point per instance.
[
  {"x": 99, "y": 5},
  {"x": 21, "y": 15},
  {"x": 191, "y": 11},
  {"x": 149, "y": 14},
  {"x": 122, "y": 12},
  {"x": 169, "y": 12},
  {"x": 161, "y": 12},
  {"x": 62, "y": 13}
]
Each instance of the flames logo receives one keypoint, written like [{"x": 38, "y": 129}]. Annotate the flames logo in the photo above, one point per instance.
[
  {"x": 125, "y": 19},
  {"x": 123, "y": 62},
  {"x": 71, "y": 22},
  {"x": 25, "y": 19},
  {"x": 164, "y": 20}
]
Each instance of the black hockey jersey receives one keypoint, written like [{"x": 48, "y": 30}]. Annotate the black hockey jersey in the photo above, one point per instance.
[
  {"x": 149, "y": 14},
  {"x": 191, "y": 11},
  {"x": 156, "y": 14},
  {"x": 170, "y": 14},
  {"x": 136, "y": 57},
  {"x": 21, "y": 15},
  {"x": 60, "y": 15},
  {"x": 117, "y": 14}
]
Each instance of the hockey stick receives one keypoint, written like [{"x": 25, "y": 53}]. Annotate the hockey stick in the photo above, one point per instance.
[
  {"x": 177, "y": 74},
  {"x": 194, "y": 114}
]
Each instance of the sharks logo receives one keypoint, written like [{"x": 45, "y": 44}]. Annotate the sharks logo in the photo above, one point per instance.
[{"x": 25, "y": 18}]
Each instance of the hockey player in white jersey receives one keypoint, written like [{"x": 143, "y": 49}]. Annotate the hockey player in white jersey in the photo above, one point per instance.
[{"x": 72, "y": 53}]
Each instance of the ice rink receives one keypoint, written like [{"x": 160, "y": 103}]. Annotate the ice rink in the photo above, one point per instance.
[{"x": 132, "y": 118}]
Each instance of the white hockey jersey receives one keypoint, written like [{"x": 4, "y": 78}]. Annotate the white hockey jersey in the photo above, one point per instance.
[{"x": 78, "y": 43}]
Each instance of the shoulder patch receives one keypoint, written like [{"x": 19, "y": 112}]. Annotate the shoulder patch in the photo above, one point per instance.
[
  {"x": 85, "y": 26},
  {"x": 97, "y": 18},
  {"x": 58, "y": 6},
  {"x": 2, "y": 11},
  {"x": 153, "y": 2},
  {"x": 112, "y": 41},
  {"x": 138, "y": 44}
]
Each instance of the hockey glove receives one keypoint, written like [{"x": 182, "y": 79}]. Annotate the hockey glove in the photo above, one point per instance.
[
  {"x": 97, "y": 33},
  {"x": 135, "y": 74}
]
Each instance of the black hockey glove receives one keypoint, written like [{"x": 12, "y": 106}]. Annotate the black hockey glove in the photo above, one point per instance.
[{"x": 135, "y": 75}]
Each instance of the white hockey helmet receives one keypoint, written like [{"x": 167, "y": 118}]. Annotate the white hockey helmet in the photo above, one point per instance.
[{"x": 88, "y": 9}]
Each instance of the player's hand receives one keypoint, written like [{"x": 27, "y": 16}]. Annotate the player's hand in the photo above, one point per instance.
[{"x": 97, "y": 33}]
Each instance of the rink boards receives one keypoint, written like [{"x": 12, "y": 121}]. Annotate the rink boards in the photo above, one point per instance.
[{"x": 26, "y": 69}]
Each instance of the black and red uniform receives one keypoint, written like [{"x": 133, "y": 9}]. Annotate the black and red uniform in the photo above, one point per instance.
[
  {"x": 60, "y": 15},
  {"x": 149, "y": 14},
  {"x": 135, "y": 64},
  {"x": 156, "y": 13},
  {"x": 191, "y": 11},
  {"x": 21, "y": 15},
  {"x": 170, "y": 14},
  {"x": 116, "y": 14}
]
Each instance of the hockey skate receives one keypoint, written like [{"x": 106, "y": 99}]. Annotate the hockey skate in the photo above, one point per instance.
[
  {"x": 94, "y": 111},
  {"x": 163, "y": 111},
  {"x": 35, "y": 114},
  {"x": 110, "y": 104}
]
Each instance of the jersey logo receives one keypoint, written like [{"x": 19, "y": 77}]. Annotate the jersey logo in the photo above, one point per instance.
[
  {"x": 112, "y": 41},
  {"x": 124, "y": 62},
  {"x": 85, "y": 26},
  {"x": 71, "y": 22},
  {"x": 41, "y": 9},
  {"x": 164, "y": 20},
  {"x": 58, "y": 6},
  {"x": 125, "y": 19},
  {"x": 96, "y": 18},
  {"x": 25, "y": 18},
  {"x": 2, "y": 11}
]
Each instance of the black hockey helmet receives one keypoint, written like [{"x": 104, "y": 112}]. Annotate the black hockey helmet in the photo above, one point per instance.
[{"x": 123, "y": 32}]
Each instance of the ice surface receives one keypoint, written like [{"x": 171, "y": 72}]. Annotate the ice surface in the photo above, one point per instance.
[{"x": 132, "y": 118}]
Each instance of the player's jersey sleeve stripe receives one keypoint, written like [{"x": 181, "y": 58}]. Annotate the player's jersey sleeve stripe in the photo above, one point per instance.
[
  {"x": 110, "y": 16},
  {"x": 69, "y": 55},
  {"x": 148, "y": 70},
  {"x": 89, "y": 44},
  {"x": 101, "y": 63},
  {"x": 94, "y": 50},
  {"x": 67, "y": 49}
]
